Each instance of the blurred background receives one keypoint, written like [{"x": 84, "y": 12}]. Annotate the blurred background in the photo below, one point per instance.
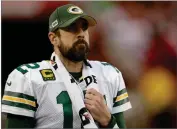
[{"x": 139, "y": 38}]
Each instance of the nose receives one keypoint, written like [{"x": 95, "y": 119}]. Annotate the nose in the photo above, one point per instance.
[{"x": 80, "y": 34}]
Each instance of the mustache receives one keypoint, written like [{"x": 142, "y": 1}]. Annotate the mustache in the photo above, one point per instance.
[{"x": 80, "y": 41}]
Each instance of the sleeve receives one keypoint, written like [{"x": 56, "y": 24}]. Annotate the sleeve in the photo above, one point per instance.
[
  {"x": 120, "y": 120},
  {"x": 121, "y": 101},
  {"x": 18, "y": 95},
  {"x": 17, "y": 121}
]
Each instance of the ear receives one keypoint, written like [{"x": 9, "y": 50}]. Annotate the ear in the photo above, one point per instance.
[{"x": 52, "y": 38}]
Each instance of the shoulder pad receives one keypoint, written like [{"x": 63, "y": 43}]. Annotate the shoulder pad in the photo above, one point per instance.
[
  {"x": 38, "y": 71},
  {"x": 108, "y": 64}
]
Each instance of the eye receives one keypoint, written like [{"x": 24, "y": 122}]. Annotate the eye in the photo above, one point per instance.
[
  {"x": 85, "y": 26},
  {"x": 71, "y": 28}
]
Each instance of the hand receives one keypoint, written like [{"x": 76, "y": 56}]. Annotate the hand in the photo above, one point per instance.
[{"x": 95, "y": 103}]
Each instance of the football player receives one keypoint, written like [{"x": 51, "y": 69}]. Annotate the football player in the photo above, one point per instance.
[{"x": 36, "y": 96}]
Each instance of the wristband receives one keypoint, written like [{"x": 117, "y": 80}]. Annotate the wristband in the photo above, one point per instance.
[{"x": 111, "y": 123}]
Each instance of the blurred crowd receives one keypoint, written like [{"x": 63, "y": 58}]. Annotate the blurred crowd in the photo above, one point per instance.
[{"x": 140, "y": 39}]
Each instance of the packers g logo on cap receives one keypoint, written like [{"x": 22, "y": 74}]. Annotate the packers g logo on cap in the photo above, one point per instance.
[{"x": 75, "y": 10}]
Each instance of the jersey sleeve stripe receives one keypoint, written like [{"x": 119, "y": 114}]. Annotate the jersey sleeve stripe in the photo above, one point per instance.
[
  {"x": 121, "y": 102},
  {"x": 121, "y": 97},
  {"x": 20, "y": 105},
  {"x": 19, "y": 95},
  {"x": 120, "y": 93},
  {"x": 19, "y": 100}
]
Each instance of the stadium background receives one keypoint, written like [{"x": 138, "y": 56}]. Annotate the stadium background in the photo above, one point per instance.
[{"x": 139, "y": 38}]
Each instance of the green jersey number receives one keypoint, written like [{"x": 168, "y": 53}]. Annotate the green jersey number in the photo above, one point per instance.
[
  {"x": 64, "y": 99},
  {"x": 23, "y": 70}
]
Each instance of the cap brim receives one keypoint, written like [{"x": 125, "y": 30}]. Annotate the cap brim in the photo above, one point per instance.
[{"x": 91, "y": 21}]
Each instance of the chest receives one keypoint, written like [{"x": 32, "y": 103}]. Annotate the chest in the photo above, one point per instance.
[{"x": 54, "y": 103}]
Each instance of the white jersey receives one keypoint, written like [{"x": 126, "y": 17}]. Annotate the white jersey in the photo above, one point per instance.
[{"x": 33, "y": 90}]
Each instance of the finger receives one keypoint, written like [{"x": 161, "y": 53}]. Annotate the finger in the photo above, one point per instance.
[
  {"x": 92, "y": 91},
  {"x": 89, "y": 107},
  {"x": 95, "y": 93},
  {"x": 89, "y": 91},
  {"x": 89, "y": 96},
  {"x": 88, "y": 101}
]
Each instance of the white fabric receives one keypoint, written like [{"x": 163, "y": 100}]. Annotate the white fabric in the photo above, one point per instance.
[
  {"x": 15, "y": 110},
  {"x": 121, "y": 108},
  {"x": 116, "y": 126},
  {"x": 74, "y": 91}
]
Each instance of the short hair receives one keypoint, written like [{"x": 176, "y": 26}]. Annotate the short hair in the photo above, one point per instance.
[{"x": 57, "y": 32}]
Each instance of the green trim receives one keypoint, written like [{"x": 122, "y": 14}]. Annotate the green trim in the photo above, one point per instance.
[
  {"x": 121, "y": 102},
  {"x": 20, "y": 105},
  {"x": 120, "y": 93},
  {"x": 20, "y": 95}
]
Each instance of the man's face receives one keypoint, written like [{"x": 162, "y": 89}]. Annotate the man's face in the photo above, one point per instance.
[{"x": 74, "y": 41}]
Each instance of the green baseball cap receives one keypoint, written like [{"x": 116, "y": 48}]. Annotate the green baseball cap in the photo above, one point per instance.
[{"x": 64, "y": 16}]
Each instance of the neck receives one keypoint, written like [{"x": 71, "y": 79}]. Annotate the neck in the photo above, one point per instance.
[{"x": 69, "y": 65}]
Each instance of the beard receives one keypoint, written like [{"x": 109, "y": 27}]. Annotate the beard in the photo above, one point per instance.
[{"x": 78, "y": 52}]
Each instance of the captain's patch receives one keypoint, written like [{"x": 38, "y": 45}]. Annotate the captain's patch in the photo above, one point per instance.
[{"x": 47, "y": 74}]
